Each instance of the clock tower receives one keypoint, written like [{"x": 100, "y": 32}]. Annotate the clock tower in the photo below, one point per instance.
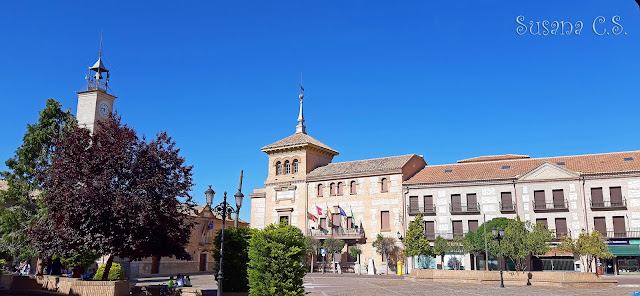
[{"x": 95, "y": 103}]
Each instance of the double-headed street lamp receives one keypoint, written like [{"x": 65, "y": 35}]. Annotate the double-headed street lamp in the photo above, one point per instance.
[
  {"x": 224, "y": 210},
  {"x": 499, "y": 235}
]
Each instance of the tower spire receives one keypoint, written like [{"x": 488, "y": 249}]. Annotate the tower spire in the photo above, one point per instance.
[{"x": 300, "y": 128}]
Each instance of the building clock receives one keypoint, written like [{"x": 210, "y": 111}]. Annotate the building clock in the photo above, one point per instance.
[{"x": 104, "y": 109}]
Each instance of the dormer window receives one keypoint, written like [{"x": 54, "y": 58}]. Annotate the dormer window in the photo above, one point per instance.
[
  {"x": 384, "y": 185},
  {"x": 295, "y": 166},
  {"x": 278, "y": 168},
  {"x": 287, "y": 167}
]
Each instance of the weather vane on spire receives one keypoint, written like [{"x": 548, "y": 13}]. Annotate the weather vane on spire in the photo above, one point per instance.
[{"x": 300, "y": 128}]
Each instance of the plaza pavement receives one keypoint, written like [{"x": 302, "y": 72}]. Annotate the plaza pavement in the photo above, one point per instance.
[{"x": 365, "y": 285}]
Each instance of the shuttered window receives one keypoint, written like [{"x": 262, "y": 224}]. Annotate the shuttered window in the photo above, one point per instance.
[
  {"x": 340, "y": 188},
  {"x": 336, "y": 220},
  {"x": 332, "y": 189},
  {"x": 615, "y": 196},
  {"x": 349, "y": 222},
  {"x": 320, "y": 190},
  {"x": 542, "y": 221},
  {"x": 558, "y": 199},
  {"x": 596, "y": 197},
  {"x": 473, "y": 225},
  {"x": 456, "y": 203},
  {"x": 619, "y": 228},
  {"x": 413, "y": 204},
  {"x": 539, "y": 200},
  {"x": 428, "y": 203},
  {"x": 507, "y": 202},
  {"x": 384, "y": 220},
  {"x": 384, "y": 185},
  {"x": 353, "y": 187},
  {"x": 561, "y": 227},
  {"x": 323, "y": 223},
  {"x": 600, "y": 225},
  {"x": 457, "y": 227},
  {"x": 429, "y": 228},
  {"x": 472, "y": 202}
]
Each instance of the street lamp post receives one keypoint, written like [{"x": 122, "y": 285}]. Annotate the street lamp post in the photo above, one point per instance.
[
  {"x": 499, "y": 235},
  {"x": 224, "y": 210}
]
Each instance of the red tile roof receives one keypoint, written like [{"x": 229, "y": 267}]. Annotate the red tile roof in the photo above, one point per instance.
[
  {"x": 511, "y": 168},
  {"x": 494, "y": 158}
]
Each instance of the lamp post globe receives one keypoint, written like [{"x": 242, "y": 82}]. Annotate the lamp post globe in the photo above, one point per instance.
[
  {"x": 209, "y": 193},
  {"x": 239, "y": 196}
]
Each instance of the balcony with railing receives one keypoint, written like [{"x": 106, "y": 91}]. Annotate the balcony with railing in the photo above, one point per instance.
[
  {"x": 471, "y": 209},
  {"x": 561, "y": 234},
  {"x": 427, "y": 211},
  {"x": 554, "y": 206},
  {"x": 338, "y": 232},
  {"x": 627, "y": 233},
  {"x": 608, "y": 205},
  {"x": 507, "y": 208},
  {"x": 431, "y": 236}
]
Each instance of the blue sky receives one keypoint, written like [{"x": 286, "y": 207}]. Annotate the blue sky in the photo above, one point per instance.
[{"x": 447, "y": 80}]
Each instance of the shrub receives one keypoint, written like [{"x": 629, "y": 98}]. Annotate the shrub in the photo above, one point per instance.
[
  {"x": 115, "y": 273},
  {"x": 276, "y": 256},
  {"x": 236, "y": 258}
]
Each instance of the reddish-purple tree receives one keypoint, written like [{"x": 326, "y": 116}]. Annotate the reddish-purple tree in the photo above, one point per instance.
[{"x": 117, "y": 194}]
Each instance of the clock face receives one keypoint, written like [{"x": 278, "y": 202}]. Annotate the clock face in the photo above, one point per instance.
[{"x": 104, "y": 109}]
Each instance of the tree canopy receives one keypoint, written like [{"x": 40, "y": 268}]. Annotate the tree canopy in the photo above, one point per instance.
[
  {"x": 416, "y": 242},
  {"x": 22, "y": 199},
  {"x": 117, "y": 194},
  {"x": 385, "y": 246},
  {"x": 588, "y": 246}
]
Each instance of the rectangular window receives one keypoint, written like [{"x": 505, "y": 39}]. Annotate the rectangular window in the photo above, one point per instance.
[
  {"x": 507, "y": 202},
  {"x": 457, "y": 228},
  {"x": 349, "y": 222},
  {"x": 558, "y": 199},
  {"x": 596, "y": 197},
  {"x": 429, "y": 229},
  {"x": 323, "y": 223},
  {"x": 600, "y": 225},
  {"x": 619, "y": 228},
  {"x": 349, "y": 257},
  {"x": 473, "y": 225},
  {"x": 285, "y": 219},
  {"x": 428, "y": 203},
  {"x": 472, "y": 202},
  {"x": 456, "y": 203},
  {"x": 541, "y": 221},
  {"x": 539, "y": 200},
  {"x": 413, "y": 204},
  {"x": 615, "y": 196},
  {"x": 561, "y": 227},
  {"x": 336, "y": 220},
  {"x": 384, "y": 221}
]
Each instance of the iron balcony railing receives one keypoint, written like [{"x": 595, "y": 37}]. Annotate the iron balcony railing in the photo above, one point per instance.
[
  {"x": 464, "y": 209},
  {"x": 561, "y": 234},
  {"x": 428, "y": 210},
  {"x": 338, "y": 231},
  {"x": 446, "y": 235},
  {"x": 553, "y": 206},
  {"x": 627, "y": 233},
  {"x": 609, "y": 205},
  {"x": 507, "y": 208}
]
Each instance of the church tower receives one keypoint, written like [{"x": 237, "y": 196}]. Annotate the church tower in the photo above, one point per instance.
[{"x": 95, "y": 103}]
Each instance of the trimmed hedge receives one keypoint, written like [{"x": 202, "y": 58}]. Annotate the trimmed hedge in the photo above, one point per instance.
[{"x": 115, "y": 273}]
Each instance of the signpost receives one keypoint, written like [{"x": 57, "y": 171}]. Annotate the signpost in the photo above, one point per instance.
[{"x": 323, "y": 252}]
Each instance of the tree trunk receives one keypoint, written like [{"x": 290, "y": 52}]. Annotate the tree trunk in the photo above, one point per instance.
[
  {"x": 442, "y": 261},
  {"x": 387, "y": 261},
  {"x": 40, "y": 265},
  {"x": 311, "y": 263},
  {"x": 107, "y": 268}
]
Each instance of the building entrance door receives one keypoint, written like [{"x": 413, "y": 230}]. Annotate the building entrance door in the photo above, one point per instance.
[{"x": 203, "y": 262}]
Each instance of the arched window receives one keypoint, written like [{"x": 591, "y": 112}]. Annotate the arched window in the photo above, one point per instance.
[
  {"x": 278, "y": 168},
  {"x": 287, "y": 167},
  {"x": 332, "y": 189},
  {"x": 352, "y": 187},
  {"x": 384, "y": 185},
  {"x": 295, "y": 166},
  {"x": 340, "y": 188},
  {"x": 320, "y": 190}
]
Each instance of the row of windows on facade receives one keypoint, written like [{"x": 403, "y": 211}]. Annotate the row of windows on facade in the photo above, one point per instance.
[
  {"x": 287, "y": 167},
  {"x": 337, "y": 220},
  {"x": 338, "y": 188},
  {"x": 539, "y": 200}
]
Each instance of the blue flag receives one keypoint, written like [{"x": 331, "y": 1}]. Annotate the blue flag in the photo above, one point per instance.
[
  {"x": 342, "y": 212},
  {"x": 211, "y": 225}
]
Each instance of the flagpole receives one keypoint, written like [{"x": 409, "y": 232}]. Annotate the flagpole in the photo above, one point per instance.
[{"x": 486, "y": 249}]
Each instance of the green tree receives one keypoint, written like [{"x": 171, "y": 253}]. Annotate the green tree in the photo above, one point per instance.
[
  {"x": 416, "y": 242},
  {"x": 385, "y": 246},
  {"x": 276, "y": 256},
  {"x": 23, "y": 198},
  {"x": 236, "y": 258},
  {"x": 312, "y": 245},
  {"x": 456, "y": 246},
  {"x": 440, "y": 248},
  {"x": 333, "y": 246},
  {"x": 355, "y": 251},
  {"x": 522, "y": 239},
  {"x": 588, "y": 246}
]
